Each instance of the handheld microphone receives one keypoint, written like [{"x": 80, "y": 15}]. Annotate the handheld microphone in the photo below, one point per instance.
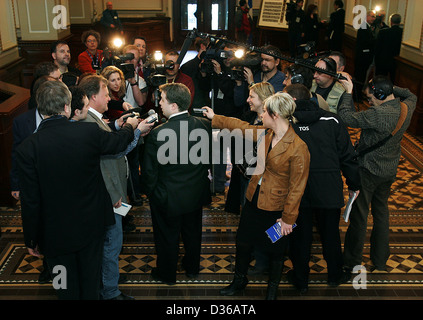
[
  {"x": 152, "y": 118},
  {"x": 198, "y": 110}
]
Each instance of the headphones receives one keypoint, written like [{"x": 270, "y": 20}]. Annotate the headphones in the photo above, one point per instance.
[{"x": 378, "y": 93}]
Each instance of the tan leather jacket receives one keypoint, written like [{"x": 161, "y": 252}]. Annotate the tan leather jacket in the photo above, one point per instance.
[{"x": 285, "y": 172}]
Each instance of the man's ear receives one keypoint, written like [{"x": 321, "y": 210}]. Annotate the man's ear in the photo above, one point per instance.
[{"x": 68, "y": 110}]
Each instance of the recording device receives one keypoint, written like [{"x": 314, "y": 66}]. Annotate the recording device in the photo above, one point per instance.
[
  {"x": 111, "y": 58},
  {"x": 131, "y": 113},
  {"x": 153, "y": 118},
  {"x": 251, "y": 60},
  {"x": 214, "y": 51},
  {"x": 157, "y": 69},
  {"x": 198, "y": 110}
]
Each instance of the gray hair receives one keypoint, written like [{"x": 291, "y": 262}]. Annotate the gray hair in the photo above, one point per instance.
[{"x": 51, "y": 97}]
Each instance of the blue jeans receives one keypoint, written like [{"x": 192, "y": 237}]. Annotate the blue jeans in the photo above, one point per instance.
[{"x": 110, "y": 268}]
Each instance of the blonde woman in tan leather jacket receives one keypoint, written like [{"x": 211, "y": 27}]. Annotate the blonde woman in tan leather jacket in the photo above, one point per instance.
[{"x": 275, "y": 189}]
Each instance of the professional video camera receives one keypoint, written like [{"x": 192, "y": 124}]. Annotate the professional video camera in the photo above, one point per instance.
[
  {"x": 307, "y": 53},
  {"x": 214, "y": 51},
  {"x": 111, "y": 58},
  {"x": 251, "y": 60},
  {"x": 157, "y": 68}
]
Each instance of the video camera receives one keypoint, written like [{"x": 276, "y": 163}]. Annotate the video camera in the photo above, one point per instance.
[
  {"x": 251, "y": 60},
  {"x": 157, "y": 68},
  {"x": 307, "y": 53},
  {"x": 214, "y": 52},
  {"x": 112, "y": 58}
]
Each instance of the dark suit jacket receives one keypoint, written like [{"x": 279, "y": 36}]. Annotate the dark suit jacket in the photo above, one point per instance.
[
  {"x": 388, "y": 46},
  {"x": 336, "y": 28},
  {"x": 23, "y": 126},
  {"x": 65, "y": 203},
  {"x": 177, "y": 187},
  {"x": 365, "y": 45}
]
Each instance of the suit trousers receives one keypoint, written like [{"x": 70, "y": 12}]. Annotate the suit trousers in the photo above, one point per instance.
[
  {"x": 83, "y": 272},
  {"x": 375, "y": 192},
  {"x": 327, "y": 222},
  {"x": 167, "y": 234}
]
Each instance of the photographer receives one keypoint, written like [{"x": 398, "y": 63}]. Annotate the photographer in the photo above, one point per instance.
[
  {"x": 268, "y": 73},
  {"x": 136, "y": 87}
]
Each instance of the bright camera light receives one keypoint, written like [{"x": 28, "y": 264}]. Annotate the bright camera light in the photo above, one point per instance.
[
  {"x": 377, "y": 8},
  {"x": 239, "y": 53},
  {"x": 158, "y": 55},
  {"x": 117, "y": 42}
]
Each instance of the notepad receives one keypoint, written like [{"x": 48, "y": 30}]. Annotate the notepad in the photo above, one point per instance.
[
  {"x": 274, "y": 232},
  {"x": 349, "y": 206},
  {"x": 123, "y": 209}
]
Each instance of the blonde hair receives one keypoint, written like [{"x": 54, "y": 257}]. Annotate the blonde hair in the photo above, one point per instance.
[
  {"x": 263, "y": 90},
  {"x": 282, "y": 104},
  {"x": 107, "y": 72}
]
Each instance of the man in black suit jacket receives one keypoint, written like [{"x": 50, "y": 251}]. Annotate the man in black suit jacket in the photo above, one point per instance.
[
  {"x": 177, "y": 186},
  {"x": 336, "y": 26},
  {"x": 364, "y": 52},
  {"x": 388, "y": 46},
  {"x": 65, "y": 203}
]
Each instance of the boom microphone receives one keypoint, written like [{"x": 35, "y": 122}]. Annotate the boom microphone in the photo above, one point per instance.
[{"x": 186, "y": 45}]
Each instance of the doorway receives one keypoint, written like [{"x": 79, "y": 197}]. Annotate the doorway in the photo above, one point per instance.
[{"x": 208, "y": 16}]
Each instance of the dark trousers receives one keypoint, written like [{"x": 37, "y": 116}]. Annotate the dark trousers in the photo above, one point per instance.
[
  {"x": 167, "y": 232},
  {"x": 327, "y": 221},
  {"x": 83, "y": 272},
  {"x": 375, "y": 193}
]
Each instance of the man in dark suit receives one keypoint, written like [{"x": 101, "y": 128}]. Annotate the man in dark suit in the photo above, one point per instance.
[
  {"x": 336, "y": 26},
  {"x": 177, "y": 186},
  {"x": 114, "y": 171},
  {"x": 388, "y": 46},
  {"x": 65, "y": 203},
  {"x": 364, "y": 52},
  {"x": 23, "y": 126}
]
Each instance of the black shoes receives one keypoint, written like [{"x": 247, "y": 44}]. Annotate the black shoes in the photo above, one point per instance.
[
  {"x": 236, "y": 287},
  {"x": 344, "y": 278},
  {"x": 157, "y": 277},
  {"x": 45, "y": 277},
  {"x": 291, "y": 279}
]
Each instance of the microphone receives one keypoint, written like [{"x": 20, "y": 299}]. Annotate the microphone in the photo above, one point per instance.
[
  {"x": 198, "y": 110},
  {"x": 143, "y": 116},
  {"x": 152, "y": 118}
]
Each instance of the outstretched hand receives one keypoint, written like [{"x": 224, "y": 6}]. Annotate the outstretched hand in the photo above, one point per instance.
[{"x": 208, "y": 112}]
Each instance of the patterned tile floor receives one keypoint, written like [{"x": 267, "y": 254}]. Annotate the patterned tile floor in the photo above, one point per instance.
[{"x": 403, "y": 279}]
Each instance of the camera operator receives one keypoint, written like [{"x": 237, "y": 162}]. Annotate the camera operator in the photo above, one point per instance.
[
  {"x": 174, "y": 75},
  {"x": 136, "y": 87},
  {"x": 268, "y": 73},
  {"x": 192, "y": 68},
  {"x": 224, "y": 104}
]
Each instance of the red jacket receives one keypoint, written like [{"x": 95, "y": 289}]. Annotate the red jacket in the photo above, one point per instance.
[{"x": 85, "y": 61}]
